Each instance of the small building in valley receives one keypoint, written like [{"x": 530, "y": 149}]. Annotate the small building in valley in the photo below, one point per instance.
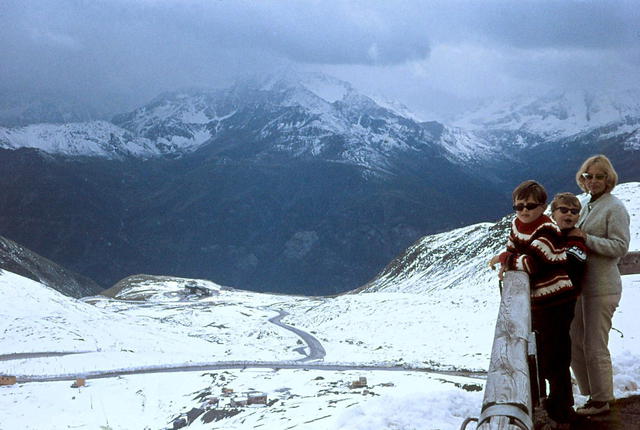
[
  {"x": 79, "y": 382},
  {"x": 211, "y": 402},
  {"x": 7, "y": 380},
  {"x": 256, "y": 398},
  {"x": 238, "y": 401},
  {"x": 361, "y": 382}
]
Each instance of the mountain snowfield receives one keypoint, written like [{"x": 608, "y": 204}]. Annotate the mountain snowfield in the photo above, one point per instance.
[
  {"x": 556, "y": 114},
  {"x": 299, "y": 114},
  {"x": 95, "y": 138},
  {"x": 418, "y": 333},
  {"x": 307, "y": 114}
]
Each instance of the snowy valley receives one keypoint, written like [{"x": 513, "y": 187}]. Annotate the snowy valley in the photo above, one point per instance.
[
  {"x": 270, "y": 215},
  {"x": 160, "y": 349}
]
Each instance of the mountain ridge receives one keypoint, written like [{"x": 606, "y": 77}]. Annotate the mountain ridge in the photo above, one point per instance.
[
  {"x": 306, "y": 107},
  {"x": 277, "y": 184}
]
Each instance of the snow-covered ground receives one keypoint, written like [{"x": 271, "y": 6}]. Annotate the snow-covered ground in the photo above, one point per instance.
[
  {"x": 394, "y": 328},
  {"x": 220, "y": 340}
]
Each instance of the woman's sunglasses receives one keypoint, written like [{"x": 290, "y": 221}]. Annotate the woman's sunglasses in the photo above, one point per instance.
[
  {"x": 597, "y": 176},
  {"x": 564, "y": 210},
  {"x": 528, "y": 206}
]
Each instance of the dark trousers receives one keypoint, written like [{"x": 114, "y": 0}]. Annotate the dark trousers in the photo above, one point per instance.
[{"x": 554, "y": 356}]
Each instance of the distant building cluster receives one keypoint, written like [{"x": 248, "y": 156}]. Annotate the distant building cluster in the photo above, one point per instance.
[
  {"x": 245, "y": 398},
  {"x": 225, "y": 404}
]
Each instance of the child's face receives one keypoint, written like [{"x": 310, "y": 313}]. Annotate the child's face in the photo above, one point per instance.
[
  {"x": 564, "y": 217},
  {"x": 526, "y": 215}
]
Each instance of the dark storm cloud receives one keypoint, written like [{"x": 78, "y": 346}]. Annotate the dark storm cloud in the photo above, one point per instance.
[
  {"x": 132, "y": 47},
  {"x": 135, "y": 48},
  {"x": 536, "y": 24}
]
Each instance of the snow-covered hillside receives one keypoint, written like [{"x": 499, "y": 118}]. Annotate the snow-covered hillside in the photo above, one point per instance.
[
  {"x": 174, "y": 330},
  {"x": 47, "y": 335},
  {"x": 459, "y": 257},
  {"x": 110, "y": 333}
]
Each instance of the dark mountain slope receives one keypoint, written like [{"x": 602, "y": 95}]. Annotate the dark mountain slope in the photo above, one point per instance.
[
  {"x": 317, "y": 227},
  {"x": 18, "y": 259}
]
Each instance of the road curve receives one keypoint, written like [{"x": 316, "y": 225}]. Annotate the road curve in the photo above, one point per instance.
[{"x": 316, "y": 350}]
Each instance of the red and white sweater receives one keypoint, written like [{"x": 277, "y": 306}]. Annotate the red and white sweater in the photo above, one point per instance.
[{"x": 538, "y": 249}]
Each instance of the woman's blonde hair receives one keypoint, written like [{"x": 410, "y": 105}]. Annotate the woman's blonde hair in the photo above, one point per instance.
[{"x": 605, "y": 164}]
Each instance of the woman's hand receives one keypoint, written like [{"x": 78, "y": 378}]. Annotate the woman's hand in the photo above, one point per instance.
[{"x": 576, "y": 232}]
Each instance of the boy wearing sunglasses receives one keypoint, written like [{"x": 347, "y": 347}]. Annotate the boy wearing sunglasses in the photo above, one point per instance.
[
  {"x": 536, "y": 246},
  {"x": 565, "y": 211}
]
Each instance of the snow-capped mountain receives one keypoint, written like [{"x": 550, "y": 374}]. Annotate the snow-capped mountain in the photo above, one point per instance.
[
  {"x": 89, "y": 139},
  {"x": 291, "y": 181},
  {"x": 320, "y": 85},
  {"x": 178, "y": 122},
  {"x": 306, "y": 116},
  {"x": 556, "y": 115},
  {"x": 311, "y": 116},
  {"x": 459, "y": 257},
  {"x": 264, "y": 203}
]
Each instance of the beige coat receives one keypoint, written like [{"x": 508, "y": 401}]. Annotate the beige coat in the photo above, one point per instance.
[{"x": 606, "y": 223}]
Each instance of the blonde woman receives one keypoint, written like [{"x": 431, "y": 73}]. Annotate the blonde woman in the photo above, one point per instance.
[{"x": 604, "y": 224}]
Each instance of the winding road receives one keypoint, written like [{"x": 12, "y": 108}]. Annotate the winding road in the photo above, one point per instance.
[
  {"x": 316, "y": 350},
  {"x": 312, "y": 359}
]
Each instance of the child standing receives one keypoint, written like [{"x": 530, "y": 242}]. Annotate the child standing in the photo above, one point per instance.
[
  {"x": 565, "y": 211},
  {"x": 536, "y": 246}
]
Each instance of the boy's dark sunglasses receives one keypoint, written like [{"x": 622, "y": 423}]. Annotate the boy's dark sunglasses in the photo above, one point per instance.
[
  {"x": 528, "y": 206},
  {"x": 565, "y": 210},
  {"x": 598, "y": 176}
]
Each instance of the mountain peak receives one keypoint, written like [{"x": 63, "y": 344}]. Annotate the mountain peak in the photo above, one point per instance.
[
  {"x": 556, "y": 114},
  {"x": 326, "y": 87}
]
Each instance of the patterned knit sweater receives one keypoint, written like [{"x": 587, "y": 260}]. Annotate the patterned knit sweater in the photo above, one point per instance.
[
  {"x": 538, "y": 249},
  {"x": 577, "y": 253}
]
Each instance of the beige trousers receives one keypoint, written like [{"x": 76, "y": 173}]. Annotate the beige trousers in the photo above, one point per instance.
[{"x": 590, "y": 357}]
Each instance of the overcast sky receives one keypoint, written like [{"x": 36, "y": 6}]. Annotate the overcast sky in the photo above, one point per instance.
[{"x": 431, "y": 55}]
